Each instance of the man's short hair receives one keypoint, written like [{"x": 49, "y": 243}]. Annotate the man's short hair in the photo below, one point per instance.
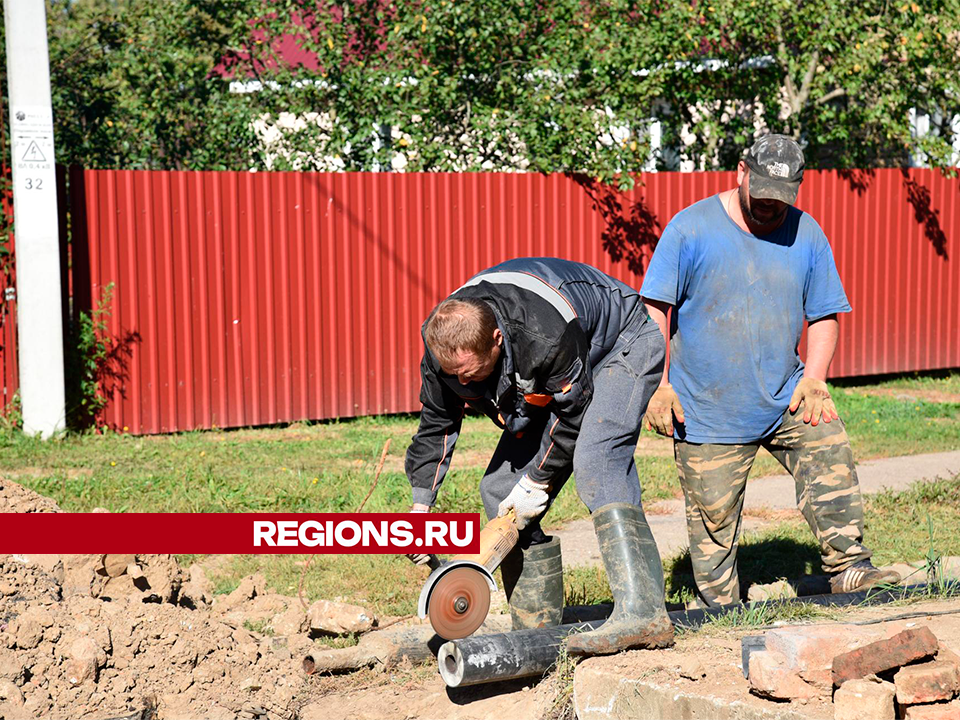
[{"x": 457, "y": 326}]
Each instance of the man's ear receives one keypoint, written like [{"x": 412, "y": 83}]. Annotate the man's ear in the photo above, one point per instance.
[
  {"x": 741, "y": 172},
  {"x": 498, "y": 337}
]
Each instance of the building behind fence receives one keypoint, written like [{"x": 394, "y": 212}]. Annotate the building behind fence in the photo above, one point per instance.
[{"x": 258, "y": 298}]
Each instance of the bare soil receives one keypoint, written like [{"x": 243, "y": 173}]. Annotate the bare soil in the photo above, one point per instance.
[
  {"x": 77, "y": 645},
  {"x": 14, "y": 498},
  {"x": 154, "y": 644}
]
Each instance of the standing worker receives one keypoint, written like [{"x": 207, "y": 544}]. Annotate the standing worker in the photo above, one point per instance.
[
  {"x": 564, "y": 358},
  {"x": 742, "y": 270}
]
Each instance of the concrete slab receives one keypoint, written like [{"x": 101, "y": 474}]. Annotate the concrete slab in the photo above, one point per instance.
[
  {"x": 648, "y": 684},
  {"x": 599, "y": 696}
]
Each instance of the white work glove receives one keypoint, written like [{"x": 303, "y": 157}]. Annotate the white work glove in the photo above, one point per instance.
[
  {"x": 528, "y": 499},
  {"x": 419, "y": 558}
]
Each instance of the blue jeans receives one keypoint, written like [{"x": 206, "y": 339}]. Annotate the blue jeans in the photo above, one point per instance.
[{"x": 603, "y": 464}]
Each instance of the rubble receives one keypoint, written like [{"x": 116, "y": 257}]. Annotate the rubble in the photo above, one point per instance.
[
  {"x": 114, "y": 646},
  {"x": 927, "y": 682},
  {"x": 779, "y": 590},
  {"x": 797, "y": 662},
  {"x": 198, "y": 590},
  {"x": 868, "y": 697},
  {"x": 339, "y": 618},
  {"x": 14, "y": 498},
  {"x": 901, "y": 649},
  {"x": 940, "y": 711}
]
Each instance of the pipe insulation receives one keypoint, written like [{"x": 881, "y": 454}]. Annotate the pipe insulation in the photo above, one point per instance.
[{"x": 527, "y": 653}]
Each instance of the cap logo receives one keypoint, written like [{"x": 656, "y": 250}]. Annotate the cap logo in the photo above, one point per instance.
[{"x": 779, "y": 169}]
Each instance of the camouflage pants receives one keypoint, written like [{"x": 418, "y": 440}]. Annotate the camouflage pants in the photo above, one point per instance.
[{"x": 714, "y": 478}]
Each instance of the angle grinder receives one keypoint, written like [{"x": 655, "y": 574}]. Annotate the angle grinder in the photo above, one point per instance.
[{"x": 456, "y": 596}]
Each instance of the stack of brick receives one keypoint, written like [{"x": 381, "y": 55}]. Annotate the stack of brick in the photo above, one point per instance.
[
  {"x": 871, "y": 676},
  {"x": 926, "y": 679}
]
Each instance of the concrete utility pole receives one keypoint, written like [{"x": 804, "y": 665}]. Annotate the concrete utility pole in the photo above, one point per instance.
[{"x": 39, "y": 316}]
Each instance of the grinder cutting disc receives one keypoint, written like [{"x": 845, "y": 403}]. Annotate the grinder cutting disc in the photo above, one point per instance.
[{"x": 459, "y": 603}]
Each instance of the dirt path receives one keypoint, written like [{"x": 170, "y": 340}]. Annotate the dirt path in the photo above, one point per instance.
[{"x": 768, "y": 501}]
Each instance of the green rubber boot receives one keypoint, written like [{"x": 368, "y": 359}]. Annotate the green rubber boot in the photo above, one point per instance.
[
  {"x": 630, "y": 556},
  {"x": 533, "y": 582}
]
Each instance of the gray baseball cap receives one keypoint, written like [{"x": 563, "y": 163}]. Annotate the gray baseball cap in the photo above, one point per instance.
[{"x": 776, "y": 168}]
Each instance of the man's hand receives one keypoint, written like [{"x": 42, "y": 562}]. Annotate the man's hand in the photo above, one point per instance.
[
  {"x": 528, "y": 499},
  {"x": 420, "y": 558},
  {"x": 816, "y": 401},
  {"x": 663, "y": 406}
]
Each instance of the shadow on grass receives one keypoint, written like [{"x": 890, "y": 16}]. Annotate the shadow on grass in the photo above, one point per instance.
[{"x": 761, "y": 562}]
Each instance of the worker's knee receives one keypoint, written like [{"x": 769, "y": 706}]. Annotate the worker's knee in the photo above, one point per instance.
[
  {"x": 602, "y": 480},
  {"x": 494, "y": 487},
  {"x": 716, "y": 500}
]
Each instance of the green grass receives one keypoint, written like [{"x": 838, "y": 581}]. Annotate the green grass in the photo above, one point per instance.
[
  {"x": 766, "y": 614},
  {"x": 940, "y": 381},
  {"x": 905, "y": 526},
  {"x": 586, "y": 585},
  {"x": 329, "y": 466}
]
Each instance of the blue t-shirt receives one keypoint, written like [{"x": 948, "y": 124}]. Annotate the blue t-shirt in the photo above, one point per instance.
[{"x": 740, "y": 301}]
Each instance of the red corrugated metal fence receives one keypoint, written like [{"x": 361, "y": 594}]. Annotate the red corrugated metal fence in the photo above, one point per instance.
[{"x": 256, "y": 298}]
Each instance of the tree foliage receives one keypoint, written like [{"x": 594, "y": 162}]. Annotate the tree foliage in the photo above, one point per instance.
[
  {"x": 544, "y": 85},
  {"x": 840, "y": 77},
  {"x": 539, "y": 85},
  {"x": 131, "y": 84}
]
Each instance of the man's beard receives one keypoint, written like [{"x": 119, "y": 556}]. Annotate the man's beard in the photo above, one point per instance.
[{"x": 748, "y": 213}]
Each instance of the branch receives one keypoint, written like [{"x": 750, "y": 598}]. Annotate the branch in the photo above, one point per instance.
[
  {"x": 835, "y": 93},
  {"x": 376, "y": 474},
  {"x": 808, "y": 78},
  {"x": 788, "y": 80}
]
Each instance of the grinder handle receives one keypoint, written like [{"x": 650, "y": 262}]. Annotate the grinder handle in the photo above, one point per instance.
[{"x": 497, "y": 539}]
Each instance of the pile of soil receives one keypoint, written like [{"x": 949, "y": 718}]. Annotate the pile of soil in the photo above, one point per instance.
[
  {"x": 75, "y": 643},
  {"x": 15, "y": 498}
]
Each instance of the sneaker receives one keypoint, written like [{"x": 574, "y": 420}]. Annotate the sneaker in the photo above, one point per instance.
[{"x": 861, "y": 576}]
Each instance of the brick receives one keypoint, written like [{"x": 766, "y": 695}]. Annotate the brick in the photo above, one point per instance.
[
  {"x": 770, "y": 676},
  {"x": 905, "y": 647},
  {"x": 940, "y": 711},
  {"x": 864, "y": 700},
  {"x": 810, "y": 651},
  {"x": 946, "y": 654},
  {"x": 926, "y": 683},
  {"x": 339, "y": 618}
]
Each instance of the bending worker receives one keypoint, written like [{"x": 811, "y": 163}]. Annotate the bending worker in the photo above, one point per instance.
[
  {"x": 564, "y": 359},
  {"x": 742, "y": 270}
]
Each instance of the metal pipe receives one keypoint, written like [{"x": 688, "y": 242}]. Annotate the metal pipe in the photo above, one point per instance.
[
  {"x": 527, "y": 653},
  {"x": 490, "y": 658}
]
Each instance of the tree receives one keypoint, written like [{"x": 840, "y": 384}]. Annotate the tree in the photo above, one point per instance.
[
  {"x": 132, "y": 84},
  {"x": 840, "y": 77},
  {"x": 542, "y": 85},
  {"x": 513, "y": 85}
]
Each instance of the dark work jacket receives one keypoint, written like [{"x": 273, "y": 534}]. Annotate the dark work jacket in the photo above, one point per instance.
[{"x": 559, "y": 319}]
